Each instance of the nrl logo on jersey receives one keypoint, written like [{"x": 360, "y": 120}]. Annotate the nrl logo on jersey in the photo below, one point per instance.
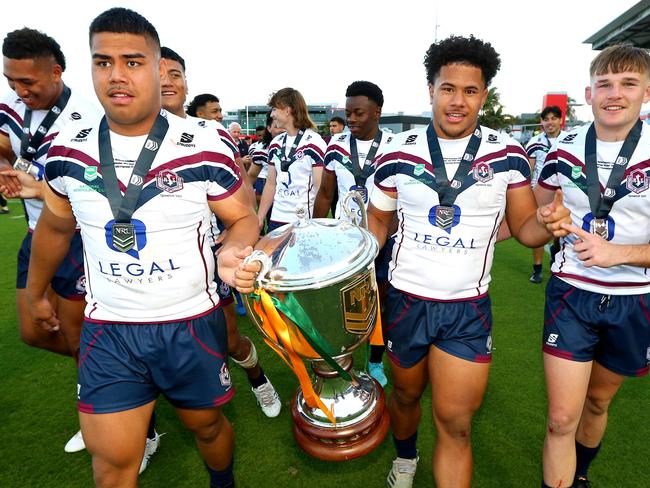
[
  {"x": 576, "y": 172},
  {"x": 637, "y": 182},
  {"x": 91, "y": 173},
  {"x": 418, "y": 169},
  {"x": 483, "y": 172},
  {"x": 169, "y": 181}
]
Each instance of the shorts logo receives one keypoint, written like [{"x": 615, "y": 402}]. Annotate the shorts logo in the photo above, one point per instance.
[
  {"x": 576, "y": 172},
  {"x": 637, "y": 182},
  {"x": 169, "y": 181},
  {"x": 90, "y": 173},
  {"x": 647, "y": 355},
  {"x": 552, "y": 339},
  {"x": 224, "y": 289},
  {"x": 389, "y": 345},
  {"x": 81, "y": 284},
  {"x": 483, "y": 172},
  {"x": 418, "y": 169},
  {"x": 224, "y": 376},
  {"x": 78, "y": 391},
  {"x": 140, "y": 237},
  {"x": 488, "y": 344}
]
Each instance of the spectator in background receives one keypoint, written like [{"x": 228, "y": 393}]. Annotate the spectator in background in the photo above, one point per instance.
[
  {"x": 235, "y": 132},
  {"x": 336, "y": 125}
]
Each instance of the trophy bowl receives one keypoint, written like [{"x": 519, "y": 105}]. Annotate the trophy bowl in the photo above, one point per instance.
[{"x": 320, "y": 304}]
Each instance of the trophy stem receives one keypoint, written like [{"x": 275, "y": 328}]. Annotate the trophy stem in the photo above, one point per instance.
[{"x": 358, "y": 407}]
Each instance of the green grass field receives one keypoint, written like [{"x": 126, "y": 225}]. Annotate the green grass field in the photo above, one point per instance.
[{"x": 37, "y": 397}]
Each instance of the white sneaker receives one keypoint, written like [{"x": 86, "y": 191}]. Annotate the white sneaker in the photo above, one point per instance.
[
  {"x": 75, "y": 444},
  {"x": 149, "y": 449},
  {"x": 268, "y": 399},
  {"x": 402, "y": 473}
]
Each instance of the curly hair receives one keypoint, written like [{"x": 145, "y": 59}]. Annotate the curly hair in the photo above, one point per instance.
[
  {"x": 28, "y": 43},
  {"x": 200, "y": 101},
  {"x": 463, "y": 50},
  {"x": 368, "y": 89}
]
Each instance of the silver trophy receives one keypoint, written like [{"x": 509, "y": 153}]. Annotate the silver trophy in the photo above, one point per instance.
[
  {"x": 21, "y": 164},
  {"x": 319, "y": 275}
]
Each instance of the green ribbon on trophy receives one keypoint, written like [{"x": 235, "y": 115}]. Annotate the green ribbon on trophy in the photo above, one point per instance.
[{"x": 294, "y": 312}]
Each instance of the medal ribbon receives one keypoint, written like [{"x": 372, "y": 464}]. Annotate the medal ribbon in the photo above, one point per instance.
[
  {"x": 286, "y": 161},
  {"x": 447, "y": 194},
  {"x": 123, "y": 207},
  {"x": 29, "y": 146},
  {"x": 601, "y": 205},
  {"x": 360, "y": 173}
]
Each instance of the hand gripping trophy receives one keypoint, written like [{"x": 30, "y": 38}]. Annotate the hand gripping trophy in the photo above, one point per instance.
[{"x": 316, "y": 300}]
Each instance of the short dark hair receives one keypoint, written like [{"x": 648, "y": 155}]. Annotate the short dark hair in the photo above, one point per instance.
[
  {"x": 268, "y": 137},
  {"x": 368, "y": 89},
  {"x": 259, "y": 128},
  {"x": 551, "y": 109},
  {"x": 29, "y": 43},
  {"x": 167, "y": 53},
  {"x": 338, "y": 120},
  {"x": 200, "y": 101},
  {"x": 123, "y": 21},
  {"x": 463, "y": 50}
]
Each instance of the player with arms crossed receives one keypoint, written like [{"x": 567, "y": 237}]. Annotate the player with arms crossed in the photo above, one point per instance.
[
  {"x": 143, "y": 198},
  {"x": 596, "y": 329},
  {"x": 451, "y": 184}
]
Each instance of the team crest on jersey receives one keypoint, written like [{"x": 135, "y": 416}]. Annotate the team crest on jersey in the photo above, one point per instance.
[
  {"x": 418, "y": 169},
  {"x": 169, "y": 181},
  {"x": 637, "y": 182},
  {"x": 483, "y": 172},
  {"x": 90, "y": 173},
  {"x": 576, "y": 172},
  {"x": 300, "y": 154},
  {"x": 224, "y": 376}
]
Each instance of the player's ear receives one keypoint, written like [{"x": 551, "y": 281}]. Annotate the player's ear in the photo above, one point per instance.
[{"x": 588, "y": 94}]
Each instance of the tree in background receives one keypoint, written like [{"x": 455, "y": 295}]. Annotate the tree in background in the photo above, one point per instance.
[{"x": 492, "y": 114}]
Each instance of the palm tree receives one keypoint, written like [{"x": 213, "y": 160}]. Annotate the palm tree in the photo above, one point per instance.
[{"x": 492, "y": 113}]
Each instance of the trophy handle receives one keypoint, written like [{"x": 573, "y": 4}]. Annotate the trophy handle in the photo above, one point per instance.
[
  {"x": 264, "y": 261},
  {"x": 358, "y": 199}
]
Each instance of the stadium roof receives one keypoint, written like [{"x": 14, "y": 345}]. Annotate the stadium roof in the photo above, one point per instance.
[{"x": 632, "y": 26}]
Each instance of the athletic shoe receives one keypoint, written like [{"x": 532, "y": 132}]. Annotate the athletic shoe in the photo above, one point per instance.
[
  {"x": 4, "y": 210},
  {"x": 582, "y": 483},
  {"x": 536, "y": 277},
  {"x": 402, "y": 473},
  {"x": 376, "y": 370},
  {"x": 268, "y": 399},
  {"x": 149, "y": 450},
  {"x": 75, "y": 444}
]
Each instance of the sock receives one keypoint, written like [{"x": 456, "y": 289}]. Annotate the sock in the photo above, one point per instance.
[
  {"x": 259, "y": 381},
  {"x": 151, "y": 432},
  {"x": 376, "y": 353},
  {"x": 537, "y": 268},
  {"x": 406, "y": 447},
  {"x": 584, "y": 456},
  {"x": 221, "y": 479}
]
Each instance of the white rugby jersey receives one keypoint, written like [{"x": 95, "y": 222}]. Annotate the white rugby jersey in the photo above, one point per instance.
[
  {"x": 538, "y": 147},
  {"x": 259, "y": 154},
  {"x": 168, "y": 276},
  {"x": 453, "y": 264},
  {"x": 296, "y": 186},
  {"x": 12, "y": 113},
  {"x": 629, "y": 219},
  {"x": 338, "y": 160}
]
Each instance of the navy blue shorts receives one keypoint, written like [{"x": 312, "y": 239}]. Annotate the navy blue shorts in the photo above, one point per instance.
[
  {"x": 124, "y": 366},
  {"x": 69, "y": 280},
  {"x": 462, "y": 329},
  {"x": 223, "y": 289},
  {"x": 614, "y": 330},
  {"x": 383, "y": 260},
  {"x": 259, "y": 185}
]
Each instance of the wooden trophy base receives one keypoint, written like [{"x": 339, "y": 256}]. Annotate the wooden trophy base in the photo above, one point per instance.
[{"x": 340, "y": 444}]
